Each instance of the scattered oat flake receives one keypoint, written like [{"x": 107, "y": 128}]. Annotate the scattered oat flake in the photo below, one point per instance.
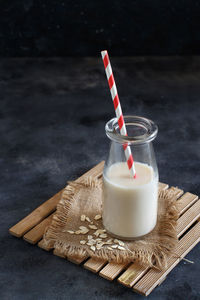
[
  {"x": 99, "y": 231},
  {"x": 92, "y": 241},
  {"x": 110, "y": 240},
  {"x": 92, "y": 226},
  {"x": 83, "y": 228},
  {"x": 78, "y": 232},
  {"x": 121, "y": 248},
  {"x": 102, "y": 230},
  {"x": 119, "y": 242},
  {"x": 97, "y": 217},
  {"x": 98, "y": 247},
  {"x": 115, "y": 246},
  {"x": 103, "y": 235},
  {"x": 84, "y": 232},
  {"x": 88, "y": 219},
  {"x": 93, "y": 248},
  {"x": 83, "y": 242},
  {"x": 70, "y": 231},
  {"x": 83, "y": 218},
  {"x": 90, "y": 237},
  {"x": 100, "y": 244},
  {"x": 109, "y": 248}
]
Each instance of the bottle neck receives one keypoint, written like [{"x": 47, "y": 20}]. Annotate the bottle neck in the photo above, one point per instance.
[{"x": 139, "y": 130}]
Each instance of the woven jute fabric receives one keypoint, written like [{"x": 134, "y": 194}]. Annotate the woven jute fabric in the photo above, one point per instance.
[{"x": 86, "y": 198}]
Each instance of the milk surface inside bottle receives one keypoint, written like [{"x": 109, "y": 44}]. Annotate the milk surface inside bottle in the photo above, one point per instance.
[{"x": 130, "y": 205}]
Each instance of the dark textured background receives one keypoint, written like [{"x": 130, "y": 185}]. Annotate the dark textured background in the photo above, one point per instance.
[
  {"x": 52, "y": 118},
  {"x": 83, "y": 28},
  {"x": 53, "y": 112}
]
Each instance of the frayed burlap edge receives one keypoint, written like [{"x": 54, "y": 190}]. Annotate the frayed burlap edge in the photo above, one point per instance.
[{"x": 156, "y": 256}]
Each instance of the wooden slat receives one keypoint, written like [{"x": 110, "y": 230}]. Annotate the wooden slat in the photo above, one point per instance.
[
  {"x": 36, "y": 216},
  {"x": 95, "y": 265},
  {"x": 45, "y": 209},
  {"x": 188, "y": 218},
  {"x": 95, "y": 172},
  {"x": 152, "y": 278},
  {"x": 132, "y": 274},
  {"x": 111, "y": 270},
  {"x": 36, "y": 234},
  {"x": 186, "y": 201},
  {"x": 162, "y": 280}
]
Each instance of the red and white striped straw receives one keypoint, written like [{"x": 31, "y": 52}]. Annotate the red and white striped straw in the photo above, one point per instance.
[{"x": 118, "y": 110}]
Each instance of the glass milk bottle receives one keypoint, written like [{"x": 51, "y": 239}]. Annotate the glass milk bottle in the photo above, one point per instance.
[{"x": 130, "y": 205}]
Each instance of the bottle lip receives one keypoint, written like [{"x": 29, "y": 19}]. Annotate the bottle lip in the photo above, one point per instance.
[{"x": 145, "y": 130}]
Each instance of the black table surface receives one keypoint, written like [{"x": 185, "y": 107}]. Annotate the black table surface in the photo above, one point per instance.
[{"x": 52, "y": 117}]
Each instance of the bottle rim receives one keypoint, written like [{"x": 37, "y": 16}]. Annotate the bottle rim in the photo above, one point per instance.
[{"x": 145, "y": 130}]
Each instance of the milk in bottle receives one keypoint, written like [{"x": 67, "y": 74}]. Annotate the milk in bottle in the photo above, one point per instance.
[{"x": 129, "y": 205}]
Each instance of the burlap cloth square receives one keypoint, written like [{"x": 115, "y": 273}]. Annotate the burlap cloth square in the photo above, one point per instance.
[{"x": 85, "y": 198}]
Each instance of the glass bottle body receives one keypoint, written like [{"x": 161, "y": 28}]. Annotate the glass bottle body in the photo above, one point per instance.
[{"x": 130, "y": 205}]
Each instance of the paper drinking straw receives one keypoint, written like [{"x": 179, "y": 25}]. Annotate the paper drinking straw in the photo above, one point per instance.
[{"x": 118, "y": 110}]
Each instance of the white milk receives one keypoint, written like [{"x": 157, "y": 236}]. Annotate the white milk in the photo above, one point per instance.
[{"x": 130, "y": 205}]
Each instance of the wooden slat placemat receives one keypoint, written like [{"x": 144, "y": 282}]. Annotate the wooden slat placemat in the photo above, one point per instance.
[{"x": 142, "y": 280}]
